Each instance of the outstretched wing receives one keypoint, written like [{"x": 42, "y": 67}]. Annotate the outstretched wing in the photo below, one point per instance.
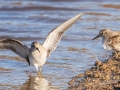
[
  {"x": 55, "y": 35},
  {"x": 15, "y": 46}
]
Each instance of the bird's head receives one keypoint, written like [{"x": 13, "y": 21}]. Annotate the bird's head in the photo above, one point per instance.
[
  {"x": 35, "y": 46},
  {"x": 103, "y": 33}
]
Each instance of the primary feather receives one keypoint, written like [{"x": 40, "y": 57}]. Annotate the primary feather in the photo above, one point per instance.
[{"x": 55, "y": 35}]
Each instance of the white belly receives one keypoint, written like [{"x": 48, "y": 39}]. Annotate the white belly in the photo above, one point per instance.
[
  {"x": 107, "y": 46},
  {"x": 38, "y": 58}
]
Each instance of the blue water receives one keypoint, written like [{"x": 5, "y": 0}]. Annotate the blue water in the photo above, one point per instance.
[{"x": 29, "y": 21}]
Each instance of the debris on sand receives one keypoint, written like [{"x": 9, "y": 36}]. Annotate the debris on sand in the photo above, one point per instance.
[{"x": 103, "y": 76}]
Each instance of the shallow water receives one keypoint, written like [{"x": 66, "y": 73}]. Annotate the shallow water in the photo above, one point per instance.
[{"x": 29, "y": 21}]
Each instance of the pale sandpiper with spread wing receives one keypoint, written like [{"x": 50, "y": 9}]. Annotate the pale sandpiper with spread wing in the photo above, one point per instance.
[{"x": 36, "y": 55}]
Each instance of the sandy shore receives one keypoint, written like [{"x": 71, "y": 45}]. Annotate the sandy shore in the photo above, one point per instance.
[{"x": 102, "y": 76}]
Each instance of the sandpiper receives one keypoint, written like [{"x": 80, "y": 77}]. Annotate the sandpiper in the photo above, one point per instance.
[
  {"x": 36, "y": 55},
  {"x": 110, "y": 39}
]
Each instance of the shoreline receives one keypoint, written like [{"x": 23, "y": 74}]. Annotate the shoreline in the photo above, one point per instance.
[{"x": 102, "y": 76}]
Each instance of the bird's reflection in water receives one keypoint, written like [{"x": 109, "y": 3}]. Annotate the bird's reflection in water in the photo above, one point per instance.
[{"x": 37, "y": 83}]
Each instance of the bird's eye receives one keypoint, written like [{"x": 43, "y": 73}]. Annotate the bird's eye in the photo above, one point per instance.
[
  {"x": 37, "y": 49},
  {"x": 101, "y": 33}
]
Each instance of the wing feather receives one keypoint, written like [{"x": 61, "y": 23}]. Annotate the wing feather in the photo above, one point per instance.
[
  {"x": 113, "y": 43},
  {"x": 15, "y": 46},
  {"x": 55, "y": 35}
]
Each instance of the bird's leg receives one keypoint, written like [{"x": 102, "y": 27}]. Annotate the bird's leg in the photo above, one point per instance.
[
  {"x": 40, "y": 69},
  {"x": 36, "y": 66},
  {"x": 39, "y": 73}
]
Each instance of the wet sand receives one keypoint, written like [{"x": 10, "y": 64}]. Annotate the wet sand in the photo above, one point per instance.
[{"x": 102, "y": 76}]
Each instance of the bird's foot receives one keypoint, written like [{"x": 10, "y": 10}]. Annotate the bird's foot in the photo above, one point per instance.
[{"x": 39, "y": 74}]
